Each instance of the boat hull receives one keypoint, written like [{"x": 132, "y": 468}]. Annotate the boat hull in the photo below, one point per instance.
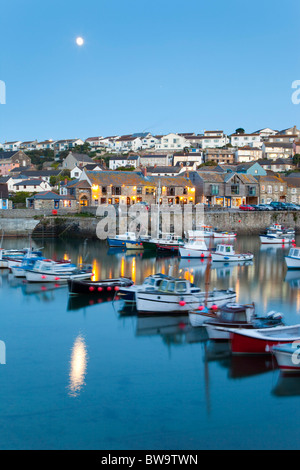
[
  {"x": 261, "y": 343},
  {"x": 265, "y": 240},
  {"x": 104, "y": 288},
  {"x": 32, "y": 276},
  {"x": 230, "y": 258},
  {"x": 292, "y": 263},
  {"x": 288, "y": 359},
  {"x": 192, "y": 253}
]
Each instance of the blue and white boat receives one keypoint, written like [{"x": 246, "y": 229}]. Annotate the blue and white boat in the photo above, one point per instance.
[
  {"x": 124, "y": 240},
  {"x": 293, "y": 259}
]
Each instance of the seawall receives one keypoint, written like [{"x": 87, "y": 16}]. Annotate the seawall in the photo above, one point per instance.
[{"x": 247, "y": 223}]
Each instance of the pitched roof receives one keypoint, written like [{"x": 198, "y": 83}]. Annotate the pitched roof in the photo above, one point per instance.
[
  {"x": 50, "y": 195},
  {"x": 81, "y": 157}
]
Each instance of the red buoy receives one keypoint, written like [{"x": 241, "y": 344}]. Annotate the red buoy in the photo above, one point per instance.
[{"x": 182, "y": 303}]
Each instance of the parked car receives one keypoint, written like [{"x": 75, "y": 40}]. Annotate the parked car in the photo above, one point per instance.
[
  {"x": 278, "y": 206},
  {"x": 246, "y": 207},
  {"x": 291, "y": 207},
  {"x": 257, "y": 207},
  {"x": 266, "y": 207}
]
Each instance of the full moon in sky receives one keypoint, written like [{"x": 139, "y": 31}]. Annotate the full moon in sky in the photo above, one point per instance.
[{"x": 79, "y": 41}]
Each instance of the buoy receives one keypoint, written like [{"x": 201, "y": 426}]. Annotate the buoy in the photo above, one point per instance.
[
  {"x": 117, "y": 288},
  {"x": 100, "y": 289},
  {"x": 91, "y": 289},
  {"x": 182, "y": 303},
  {"x": 214, "y": 307},
  {"x": 109, "y": 289},
  {"x": 201, "y": 308}
]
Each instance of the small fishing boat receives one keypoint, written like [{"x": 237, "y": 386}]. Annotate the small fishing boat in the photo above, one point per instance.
[
  {"x": 178, "y": 296},
  {"x": 194, "y": 249},
  {"x": 104, "y": 287},
  {"x": 224, "y": 235},
  {"x": 52, "y": 271},
  {"x": 137, "y": 246},
  {"x": 123, "y": 240},
  {"x": 167, "y": 243},
  {"x": 293, "y": 259},
  {"x": 234, "y": 315},
  {"x": 259, "y": 341},
  {"x": 128, "y": 293},
  {"x": 19, "y": 271},
  {"x": 288, "y": 357},
  {"x": 276, "y": 234},
  {"x": 226, "y": 253}
]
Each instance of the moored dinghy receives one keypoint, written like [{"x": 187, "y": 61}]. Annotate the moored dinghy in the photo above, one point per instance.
[
  {"x": 259, "y": 341},
  {"x": 288, "y": 357}
]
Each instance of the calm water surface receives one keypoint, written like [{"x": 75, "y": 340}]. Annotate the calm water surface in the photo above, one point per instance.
[{"x": 87, "y": 375}]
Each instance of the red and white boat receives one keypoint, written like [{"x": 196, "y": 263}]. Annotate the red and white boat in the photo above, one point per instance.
[{"x": 259, "y": 341}]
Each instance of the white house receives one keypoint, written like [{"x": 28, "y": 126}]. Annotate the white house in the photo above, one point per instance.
[
  {"x": 94, "y": 142},
  {"x": 276, "y": 150},
  {"x": 248, "y": 154},
  {"x": 77, "y": 171},
  {"x": 46, "y": 145},
  {"x": 172, "y": 142},
  {"x": 156, "y": 159},
  {"x": 14, "y": 146},
  {"x": 213, "y": 141},
  {"x": 149, "y": 142},
  {"x": 61, "y": 145},
  {"x": 31, "y": 186},
  {"x": 249, "y": 140},
  {"x": 127, "y": 143},
  {"x": 29, "y": 145}
]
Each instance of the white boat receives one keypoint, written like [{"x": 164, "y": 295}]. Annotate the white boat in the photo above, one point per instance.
[
  {"x": 224, "y": 235},
  {"x": 194, "y": 249},
  {"x": 226, "y": 253},
  {"x": 51, "y": 271},
  {"x": 276, "y": 234},
  {"x": 293, "y": 259},
  {"x": 178, "y": 296},
  {"x": 205, "y": 231},
  {"x": 277, "y": 228},
  {"x": 276, "y": 239},
  {"x": 288, "y": 357}
]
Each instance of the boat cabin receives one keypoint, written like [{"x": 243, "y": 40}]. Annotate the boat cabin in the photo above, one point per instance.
[
  {"x": 225, "y": 249},
  {"x": 294, "y": 253},
  {"x": 236, "y": 313},
  {"x": 176, "y": 286},
  {"x": 126, "y": 236},
  {"x": 153, "y": 282}
]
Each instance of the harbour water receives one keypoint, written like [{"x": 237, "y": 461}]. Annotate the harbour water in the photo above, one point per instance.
[{"x": 86, "y": 374}]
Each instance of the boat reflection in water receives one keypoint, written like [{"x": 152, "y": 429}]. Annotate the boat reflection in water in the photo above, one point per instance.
[
  {"x": 78, "y": 366},
  {"x": 288, "y": 385},
  {"x": 82, "y": 301},
  {"x": 173, "y": 329},
  {"x": 293, "y": 279},
  {"x": 238, "y": 366}
]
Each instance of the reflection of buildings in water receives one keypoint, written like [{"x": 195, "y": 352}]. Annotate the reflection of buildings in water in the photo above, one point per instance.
[
  {"x": 78, "y": 367},
  {"x": 288, "y": 385}
]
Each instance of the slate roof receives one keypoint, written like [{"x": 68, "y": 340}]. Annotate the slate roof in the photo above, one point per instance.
[{"x": 50, "y": 195}]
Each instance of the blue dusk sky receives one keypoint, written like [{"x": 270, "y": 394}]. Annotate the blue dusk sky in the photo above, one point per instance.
[{"x": 159, "y": 66}]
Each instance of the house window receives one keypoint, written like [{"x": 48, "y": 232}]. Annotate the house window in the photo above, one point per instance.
[
  {"x": 103, "y": 200},
  {"x": 116, "y": 190},
  {"x": 104, "y": 190},
  {"x": 235, "y": 189},
  {"x": 139, "y": 190},
  {"x": 269, "y": 189},
  {"x": 149, "y": 191}
]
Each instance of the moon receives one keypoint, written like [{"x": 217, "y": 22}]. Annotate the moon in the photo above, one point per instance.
[{"x": 79, "y": 41}]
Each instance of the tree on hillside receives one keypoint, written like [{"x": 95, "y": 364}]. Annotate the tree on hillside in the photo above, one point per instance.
[{"x": 296, "y": 159}]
